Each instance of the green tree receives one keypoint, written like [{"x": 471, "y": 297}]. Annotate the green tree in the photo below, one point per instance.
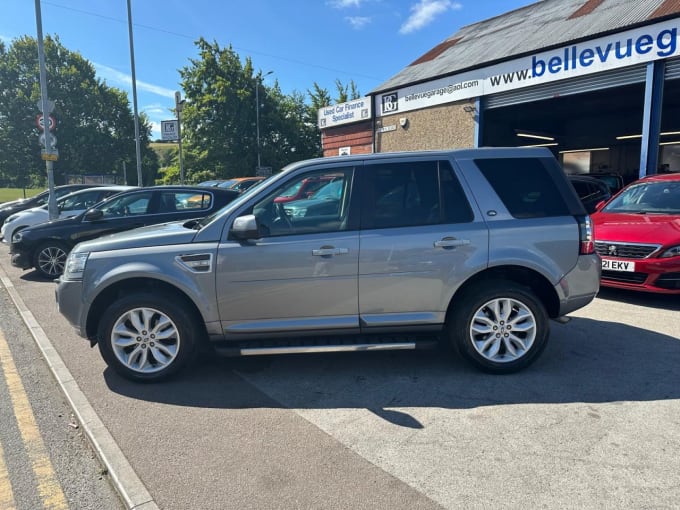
[
  {"x": 219, "y": 118},
  {"x": 95, "y": 128}
]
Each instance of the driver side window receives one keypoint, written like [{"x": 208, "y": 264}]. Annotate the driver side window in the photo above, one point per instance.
[
  {"x": 127, "y": 205},
  {"x": 313, "y": 202}
]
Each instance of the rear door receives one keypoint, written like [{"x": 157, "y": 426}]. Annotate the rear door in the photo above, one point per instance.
[{"x": 420, "y": 238}]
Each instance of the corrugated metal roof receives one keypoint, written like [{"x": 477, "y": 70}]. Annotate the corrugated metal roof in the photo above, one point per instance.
[{"x": 535, "y": 27}]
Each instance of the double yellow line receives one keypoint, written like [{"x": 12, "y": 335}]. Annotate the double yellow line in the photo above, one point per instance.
[{"x": 49, "y": 489}]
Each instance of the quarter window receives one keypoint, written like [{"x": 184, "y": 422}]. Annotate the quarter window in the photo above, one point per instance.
[{"x": 525, "y": 186}]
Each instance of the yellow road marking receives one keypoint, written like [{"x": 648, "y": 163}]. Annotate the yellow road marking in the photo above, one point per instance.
[
  {"x": 6, "y": 497},
  {"x": 48, "y": 487}
]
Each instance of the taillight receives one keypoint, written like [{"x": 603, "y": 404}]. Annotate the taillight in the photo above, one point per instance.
[{"x": 585, "y": 229}]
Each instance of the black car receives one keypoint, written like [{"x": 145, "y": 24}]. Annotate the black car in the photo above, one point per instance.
[
  {"x": 590, "y": 190},
  {"x": 46, "y": 246},
  {"x": 9, "y": 208}
]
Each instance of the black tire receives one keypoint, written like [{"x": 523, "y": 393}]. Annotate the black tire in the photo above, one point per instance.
[
  {"x": 499, "y": 350},
  {"x": 131, "y": 361},
  {"x": 49, "y": 259}
]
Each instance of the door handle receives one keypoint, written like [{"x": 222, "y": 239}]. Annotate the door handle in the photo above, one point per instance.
[
  {"x": 451, "y": 242},
  {"x": 327, "y": 251}
]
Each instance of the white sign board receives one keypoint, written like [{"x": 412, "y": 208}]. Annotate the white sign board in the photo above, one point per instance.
[
  {"x": 345, "y": 113},
  {"x": 344, "y": 151},
  {"x": 169, "y": 130},
  {"x": 641, "y": 45}
]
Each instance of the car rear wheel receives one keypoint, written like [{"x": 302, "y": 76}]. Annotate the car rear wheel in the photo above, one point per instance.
[
  {"x": 49, "y": 259},
  {"x": 146, "y": 338},
  {"x": 499, "y": 326}
]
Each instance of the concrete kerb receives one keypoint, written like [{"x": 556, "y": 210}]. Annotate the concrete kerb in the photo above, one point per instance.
[{"x": 124, "y": 479}]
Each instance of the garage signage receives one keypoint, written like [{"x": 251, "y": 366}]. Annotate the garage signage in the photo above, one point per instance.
[
  {"x": 345, "y": 113},
  {"x": 644, "y": 44}
]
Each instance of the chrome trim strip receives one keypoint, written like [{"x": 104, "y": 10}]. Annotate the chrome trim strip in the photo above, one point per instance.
[{"x": 328, "y": 348}]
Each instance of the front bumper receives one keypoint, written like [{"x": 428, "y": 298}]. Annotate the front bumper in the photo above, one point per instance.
[
  {"x": 661, "y": 276},
  {"x": 68, "y": 295},
  {"x": 21, "y": 260}
]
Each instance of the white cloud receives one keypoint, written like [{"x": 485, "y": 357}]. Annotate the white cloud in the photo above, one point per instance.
[
  {"x": 157, "y": 110},
  {"x": 358, "y": 22},
  {"x": 424, "y": 12},
  {"x": 155, "y": 130},
  {"x": 342, "y": 4},
  {"x": 115, "y": 76}
]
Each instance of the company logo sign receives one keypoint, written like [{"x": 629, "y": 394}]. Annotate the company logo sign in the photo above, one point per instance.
[{"x": 390, "y": 103}]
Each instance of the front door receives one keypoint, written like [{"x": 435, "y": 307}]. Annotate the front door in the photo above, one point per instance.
[{"x": 301, "y": 273}]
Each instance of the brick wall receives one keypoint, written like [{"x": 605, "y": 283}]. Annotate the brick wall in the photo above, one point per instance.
[{"x": 356, "y": 136}]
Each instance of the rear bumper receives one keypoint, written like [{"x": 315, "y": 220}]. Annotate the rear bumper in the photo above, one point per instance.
[{"x": 579, "y": 286}]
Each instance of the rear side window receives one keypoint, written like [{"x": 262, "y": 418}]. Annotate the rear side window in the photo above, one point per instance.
[
  {"x": 410, "y": 194},
  {"x": 525, "y": 186}
]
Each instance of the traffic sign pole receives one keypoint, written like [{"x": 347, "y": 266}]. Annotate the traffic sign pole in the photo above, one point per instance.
[{"x": 49, "y": 163}]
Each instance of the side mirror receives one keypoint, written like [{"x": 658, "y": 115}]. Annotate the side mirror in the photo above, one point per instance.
[
  {"x": 600, "y": 205},
  {"x": 245, "y": 227},
  {"x": 93, "y": 215}
]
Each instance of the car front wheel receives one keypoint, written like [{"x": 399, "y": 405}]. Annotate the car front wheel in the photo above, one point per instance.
[
  {"x": 146, "y": 338},
  {"x": 499, "y": 326},
  {"x": 50, "y": 258}
]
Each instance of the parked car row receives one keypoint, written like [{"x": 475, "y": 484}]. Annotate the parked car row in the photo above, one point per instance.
[{"x": 45, "y": 246}]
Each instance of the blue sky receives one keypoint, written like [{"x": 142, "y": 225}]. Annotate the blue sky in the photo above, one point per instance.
[{"x": 300, "y": 41}]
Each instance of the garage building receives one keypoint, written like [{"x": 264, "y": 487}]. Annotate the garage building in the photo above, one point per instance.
[{"x": 596, "y": 81}]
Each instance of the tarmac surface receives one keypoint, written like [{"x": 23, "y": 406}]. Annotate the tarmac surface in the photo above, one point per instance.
[{"x": 594, "y": 423}]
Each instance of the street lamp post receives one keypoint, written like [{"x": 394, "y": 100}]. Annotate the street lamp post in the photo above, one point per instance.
[
  {"x": 257, "y": 113},
  {"x": 179, "y": 105}
]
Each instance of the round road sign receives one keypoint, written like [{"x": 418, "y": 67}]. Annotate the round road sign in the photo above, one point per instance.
[{"x": 41, "y": 125}]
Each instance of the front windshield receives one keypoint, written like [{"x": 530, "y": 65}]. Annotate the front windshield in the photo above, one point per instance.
[{"x": 648, "y": 197}]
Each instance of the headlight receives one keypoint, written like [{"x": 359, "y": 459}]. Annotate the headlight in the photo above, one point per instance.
[
  {"x": 11, "y": 218},
  {"x": 16, "y": 238},
  {"x": 75, "y": 265},
  {"x": 671, "y": 252}
]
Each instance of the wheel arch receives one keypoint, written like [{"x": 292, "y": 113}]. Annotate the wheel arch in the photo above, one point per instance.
[
  {"x": 523, "y": 276},
  {"x": 138, "y": 285}
]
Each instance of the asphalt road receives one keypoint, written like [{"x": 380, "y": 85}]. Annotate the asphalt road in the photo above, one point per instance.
[
  {"x": 595, "y": 423},
  {"x": 47, "y": 461}
]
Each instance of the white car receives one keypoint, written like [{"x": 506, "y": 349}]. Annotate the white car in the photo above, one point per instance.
[{"x": 68, "y": 205}]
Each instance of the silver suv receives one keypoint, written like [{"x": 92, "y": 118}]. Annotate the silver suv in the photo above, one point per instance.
[{"x": 473, "y": 248}]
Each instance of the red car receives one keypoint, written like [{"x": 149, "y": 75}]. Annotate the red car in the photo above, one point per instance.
[
  {"x": 303, "y": 189},
  {"x": 637, "y": 234}
]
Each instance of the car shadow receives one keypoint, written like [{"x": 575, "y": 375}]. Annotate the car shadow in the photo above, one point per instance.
[
  {"x": 661, "y": 301},
  {"x": 585, "y": 361}
]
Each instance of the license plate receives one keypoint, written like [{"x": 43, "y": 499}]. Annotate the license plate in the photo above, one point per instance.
[{"x": 618, "y": 265}]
